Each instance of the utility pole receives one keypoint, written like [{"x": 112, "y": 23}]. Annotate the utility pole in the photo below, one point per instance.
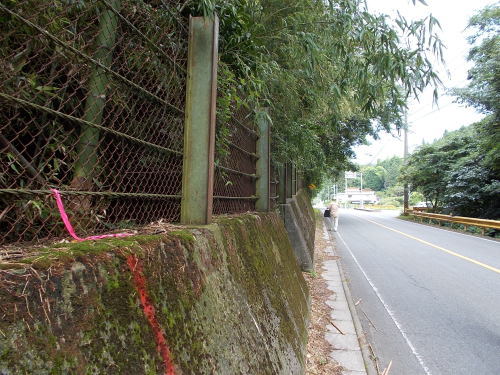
[{"x": 405, "y": 160}]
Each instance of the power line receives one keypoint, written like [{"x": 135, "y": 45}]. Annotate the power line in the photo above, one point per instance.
[
  {"x": 431, "y": 112},
  {"x": 419, "y": 109}
]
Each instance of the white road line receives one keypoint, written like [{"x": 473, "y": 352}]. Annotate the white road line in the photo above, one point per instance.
[{"x": 386, "y": 307}]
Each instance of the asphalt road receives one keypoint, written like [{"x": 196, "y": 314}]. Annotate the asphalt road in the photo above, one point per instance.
[{"x": 430, "y": 298}]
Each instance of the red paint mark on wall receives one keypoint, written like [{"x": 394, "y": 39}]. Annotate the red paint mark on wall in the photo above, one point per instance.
[{"x": 135, "y": 266}]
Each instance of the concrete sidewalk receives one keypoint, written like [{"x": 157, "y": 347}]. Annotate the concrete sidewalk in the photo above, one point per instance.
[{"x": 349, "y": 341}]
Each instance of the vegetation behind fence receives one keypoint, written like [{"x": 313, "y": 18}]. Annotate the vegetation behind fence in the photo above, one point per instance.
[
  {"x": 235, "y": 164},
  {"x": 92, "y": 96},
  {"x": 93, "y": 104}
]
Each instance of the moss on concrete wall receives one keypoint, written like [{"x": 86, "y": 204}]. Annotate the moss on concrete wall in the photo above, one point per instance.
[
  {"x": 228, "y": 299},
  {"x": 298, "y": 216},
  {"x": 304, "y": 213}
]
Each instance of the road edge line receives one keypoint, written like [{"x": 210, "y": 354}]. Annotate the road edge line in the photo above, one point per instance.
[
  {"x": 360, "y": 334},
  {"x": 363, "y": 341},
  {"x": 388, "y": 310}
]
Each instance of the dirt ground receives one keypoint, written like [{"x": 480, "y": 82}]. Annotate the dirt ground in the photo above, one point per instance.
[{"x": 319, "y": 361}]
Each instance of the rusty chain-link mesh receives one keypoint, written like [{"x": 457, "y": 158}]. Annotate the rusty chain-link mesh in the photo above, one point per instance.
[
  {"x": 274, "y": 187},
  {"x": 235, "y": 163},
  {"x": 92, "y": 95}
]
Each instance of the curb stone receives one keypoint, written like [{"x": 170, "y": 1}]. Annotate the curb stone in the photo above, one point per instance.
[{"x": 351, "y": 348}]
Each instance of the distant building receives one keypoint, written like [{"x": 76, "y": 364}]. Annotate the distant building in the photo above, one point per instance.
[{"x": 353, "y": 195}]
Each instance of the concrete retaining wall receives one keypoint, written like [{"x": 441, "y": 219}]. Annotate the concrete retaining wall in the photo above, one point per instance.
[
  {"x": 298, "y": 216},
  {"x": 224, "y": 299}
]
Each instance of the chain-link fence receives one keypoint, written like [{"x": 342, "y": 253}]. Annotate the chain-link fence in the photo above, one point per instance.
[
  {"x": 93, "y": 99},
  {"x": 235, "y": 163},
  {"x": 92, "y": 95},
  {"x": 274, "y": 187}
]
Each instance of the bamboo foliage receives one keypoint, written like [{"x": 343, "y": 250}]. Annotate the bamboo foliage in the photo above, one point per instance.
[{"x": 330, "y": 72}]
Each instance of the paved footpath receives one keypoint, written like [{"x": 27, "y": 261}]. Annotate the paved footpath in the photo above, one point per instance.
[{"x": 344, "y": 338}]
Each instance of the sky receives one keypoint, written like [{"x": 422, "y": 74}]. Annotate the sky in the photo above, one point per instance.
[{"x": 428, "y": 122}]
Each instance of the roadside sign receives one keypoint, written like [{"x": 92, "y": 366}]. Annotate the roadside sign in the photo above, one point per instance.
[{"x": 350, "y": 174}]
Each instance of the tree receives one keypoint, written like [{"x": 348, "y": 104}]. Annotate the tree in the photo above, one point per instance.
[
  {"x": 374, "y": 177},
  {"x": 426, "y": 172},
  {"x": 428, "y": 167},
  {"x": 416, "y": 197},
  {"x": 382, "y": 175},
  {"x": 392, "y": 167},
  {"x": 483, "y": 90},
  {"x": 330, "y": 72},
  {"x": 452, "y": 172},
  {"x": 473, "y": 184}
]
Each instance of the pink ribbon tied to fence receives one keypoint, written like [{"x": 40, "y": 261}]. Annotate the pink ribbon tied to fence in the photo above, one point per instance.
[{"x": 69, "y": 227}]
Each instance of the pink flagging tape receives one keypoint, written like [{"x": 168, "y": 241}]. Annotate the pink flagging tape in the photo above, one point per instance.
[
  {"x": 135, "y": 266},
  {"x": 69, "y": 227}
]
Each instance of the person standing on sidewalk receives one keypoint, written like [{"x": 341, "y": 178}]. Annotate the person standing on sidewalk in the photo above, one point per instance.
[{"x": 334, "y": 215}]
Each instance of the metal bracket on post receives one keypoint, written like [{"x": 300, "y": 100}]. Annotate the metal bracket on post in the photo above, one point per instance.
[
  {"x": 263, "y": 163},
  {"x": 199, "y": 127}
]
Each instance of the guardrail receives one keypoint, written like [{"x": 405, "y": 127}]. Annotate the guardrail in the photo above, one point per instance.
[{"x": 466, "y": 221}]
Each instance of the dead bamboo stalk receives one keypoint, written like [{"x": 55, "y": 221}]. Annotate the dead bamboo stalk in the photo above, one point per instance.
[
  {"x": 96, "y": 97},
  {"x": 22, "y": 160},
  {"x": 337, "y": 328},
  {"x": 386, "y": 371}
]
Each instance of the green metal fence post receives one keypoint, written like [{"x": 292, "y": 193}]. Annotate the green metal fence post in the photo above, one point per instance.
[
  {"x": 294, "y": 180},
  {"x": 288, "y": 182},
  {"x": 282, "y": 185},
  {"x": 199, "y": 127},
  {"x": 262, "y": 187}
]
